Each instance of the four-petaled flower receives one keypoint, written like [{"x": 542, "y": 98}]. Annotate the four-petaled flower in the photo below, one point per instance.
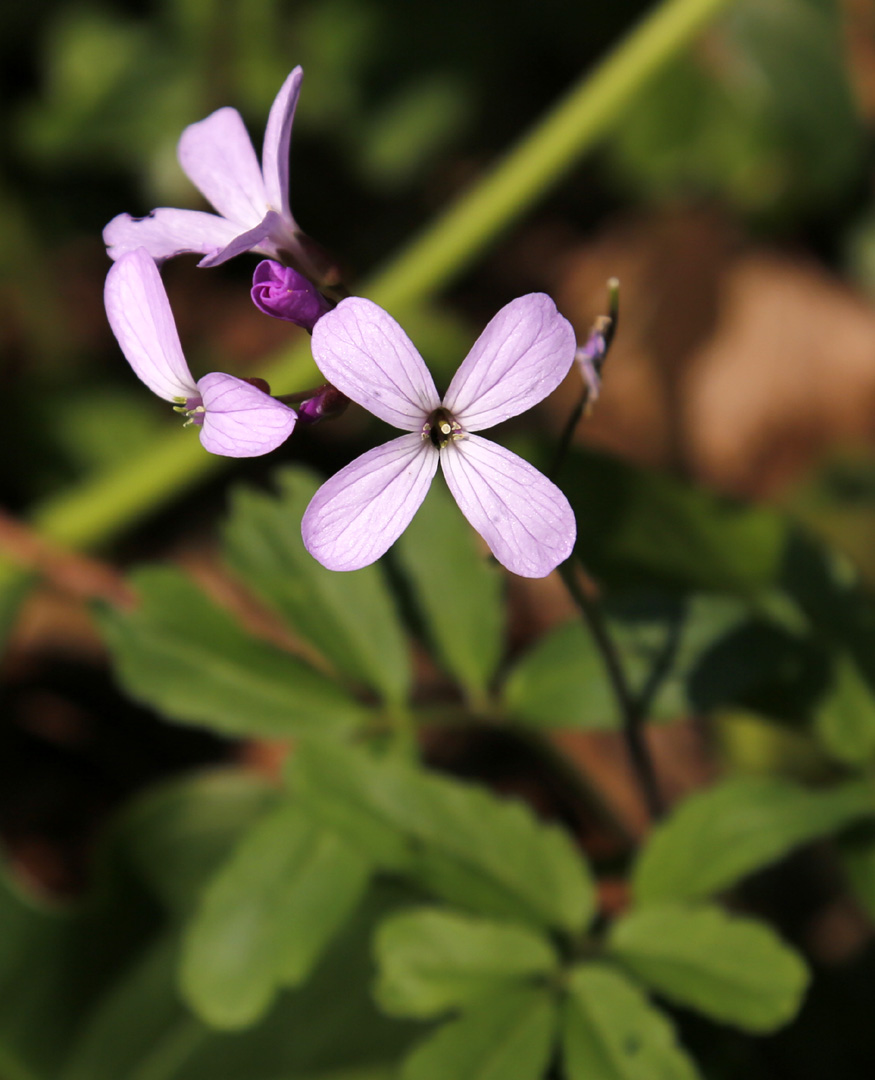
[
  {"x": 252, "y": 202},
  {"x": 236, "y": 419},
  {"x": 521, "y": 357}
]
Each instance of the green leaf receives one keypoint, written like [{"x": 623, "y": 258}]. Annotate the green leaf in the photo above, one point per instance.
[
  {"x": 719, "y": 835},
  {"x": 457, "y": 587},
  {"x": 462, "y": 842},
  {"x": 181, "y": 654},
  {"x": 350, "y": 618},
  {"x": 561, "y": 682},
  {"x": 139, "y": 1030},
  {"x": 14, "y": 587},
  {"x": 844, "y": 719},
  {"x": 60, "y": 968},
  {"x": 610, "y": 1031},
  {"x": 857, "y": 852},
  {"x": 32, "y": 938},
  {"x": 733, "y": 969},
  {"x": 431, "y": 960},
  {"x": 771, "y": 127},
  {"x": 663, "y": 643},
  {"x": 508, "y": 1037},
  {"x": 267, "y": 917},
  {"x": 638, "y": 527},
  {"x": 176, "y": 836},
  {"x": 327, "y": 1027}
]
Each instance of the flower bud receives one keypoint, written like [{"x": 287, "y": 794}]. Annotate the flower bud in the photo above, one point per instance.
[
  {"x": 279, "y": 291},
  {"x": 326, "y": 403}
]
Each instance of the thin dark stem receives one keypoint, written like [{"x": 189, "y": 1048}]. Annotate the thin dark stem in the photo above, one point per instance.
[
  {"x": 631, "y": 712},
  {"x": 568, "y": 433},
  {"x": 592, "y": 354}
]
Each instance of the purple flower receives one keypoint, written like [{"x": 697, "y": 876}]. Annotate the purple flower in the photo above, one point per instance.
[
  {"x": 282, "y": 292},
  {"x": 521, "y": 357},
  {"x": 589, "y": 357},
  {"x": 252, "y": 202},
  {"x": 236, "y": 419}
]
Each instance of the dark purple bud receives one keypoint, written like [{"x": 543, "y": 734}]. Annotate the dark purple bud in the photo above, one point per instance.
[
  {"x": 325, "y": 404},
  {"x": 279, "y": 291}
]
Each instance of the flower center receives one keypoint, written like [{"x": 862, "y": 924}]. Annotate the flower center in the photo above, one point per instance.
[
  {"x": 192, "y": 409},
  {"x": 441, "y": 428}
]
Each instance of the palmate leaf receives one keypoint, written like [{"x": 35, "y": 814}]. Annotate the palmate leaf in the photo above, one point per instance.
[
  {"x": 506, "y": 1037},
  {"x": 717, "y": 836},
  {"x": 181, "y": 654},
  {"x": 610, "y": 1031},
  {"x": 176, "y": 835},
  {"x": 457, "y": 588},
  {"x": 641, "y": 528},
  {"x": 664, "y": 643},
  {"x": 59, "y": 968},
  {"x": 350, "y": 618},
  {"x": 733, "y": 969},
  {"x": 267, "y": 916},
  {"x": 463, "y": 843},
  {"x": 431, "y": 960},
  {"x": 142, "y": 1030},
  {"x": 844, "y": 717}
]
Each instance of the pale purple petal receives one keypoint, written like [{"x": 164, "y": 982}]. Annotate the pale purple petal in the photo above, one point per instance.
[
  {"x": 277, "y": 140},
  {"x": 266, "y": 237},
  {"x": 523, "y": 517},
  {"x": 217, "y": 156},
  {"x": 139, "y": 313},
  {"x": 361, "y": 350},
  {"x": 522, "y": 356},
  {"x": 240, "y": 420},
  {"x": 167, "y": 232},
  {"x": 357, "y": 515}
]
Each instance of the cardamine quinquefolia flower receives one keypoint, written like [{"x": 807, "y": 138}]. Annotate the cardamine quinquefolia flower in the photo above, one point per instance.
[
  {"x": 520, "y": 358},
  {"x": 252, "y": 201},
  {"x": 236, "y": 418}
]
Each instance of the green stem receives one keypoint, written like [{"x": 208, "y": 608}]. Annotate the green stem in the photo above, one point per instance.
[
  {"x": 629, "y": 705},
  {"x": 101, "y": 506},
  {"x": 542, "y": 157}
]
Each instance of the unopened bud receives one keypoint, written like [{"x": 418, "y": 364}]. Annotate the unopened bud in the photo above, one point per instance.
[
  {"x": 325, "y": 404},
  {"x": 282, "y": 292}
]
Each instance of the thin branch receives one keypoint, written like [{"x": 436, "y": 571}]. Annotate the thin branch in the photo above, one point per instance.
[{"x": 630, "y": 707}]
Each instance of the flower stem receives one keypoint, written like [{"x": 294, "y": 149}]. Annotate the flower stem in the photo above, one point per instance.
[
  {"x": 103, "y": 505},
  {"x": 629, "y": 705}
]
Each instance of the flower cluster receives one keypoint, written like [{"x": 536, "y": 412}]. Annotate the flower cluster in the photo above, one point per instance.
[{"x": 523, "y": 354}]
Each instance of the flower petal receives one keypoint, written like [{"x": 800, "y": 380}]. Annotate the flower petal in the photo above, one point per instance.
[
  {"x": 167, "y": 232},
  {"x": 277, "y": 140},
  {"x": 239, "y": 419},
  {"x": 265, "y": 237},
  {"x": 359, "y": 513},
  {"x": 523, "y": 517},
  {"x": 361, "y": 350},
  {"x": 522, "y": 356},
  {"x": 139, "y": 313},
  {"x": 217, "y": 156}
]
